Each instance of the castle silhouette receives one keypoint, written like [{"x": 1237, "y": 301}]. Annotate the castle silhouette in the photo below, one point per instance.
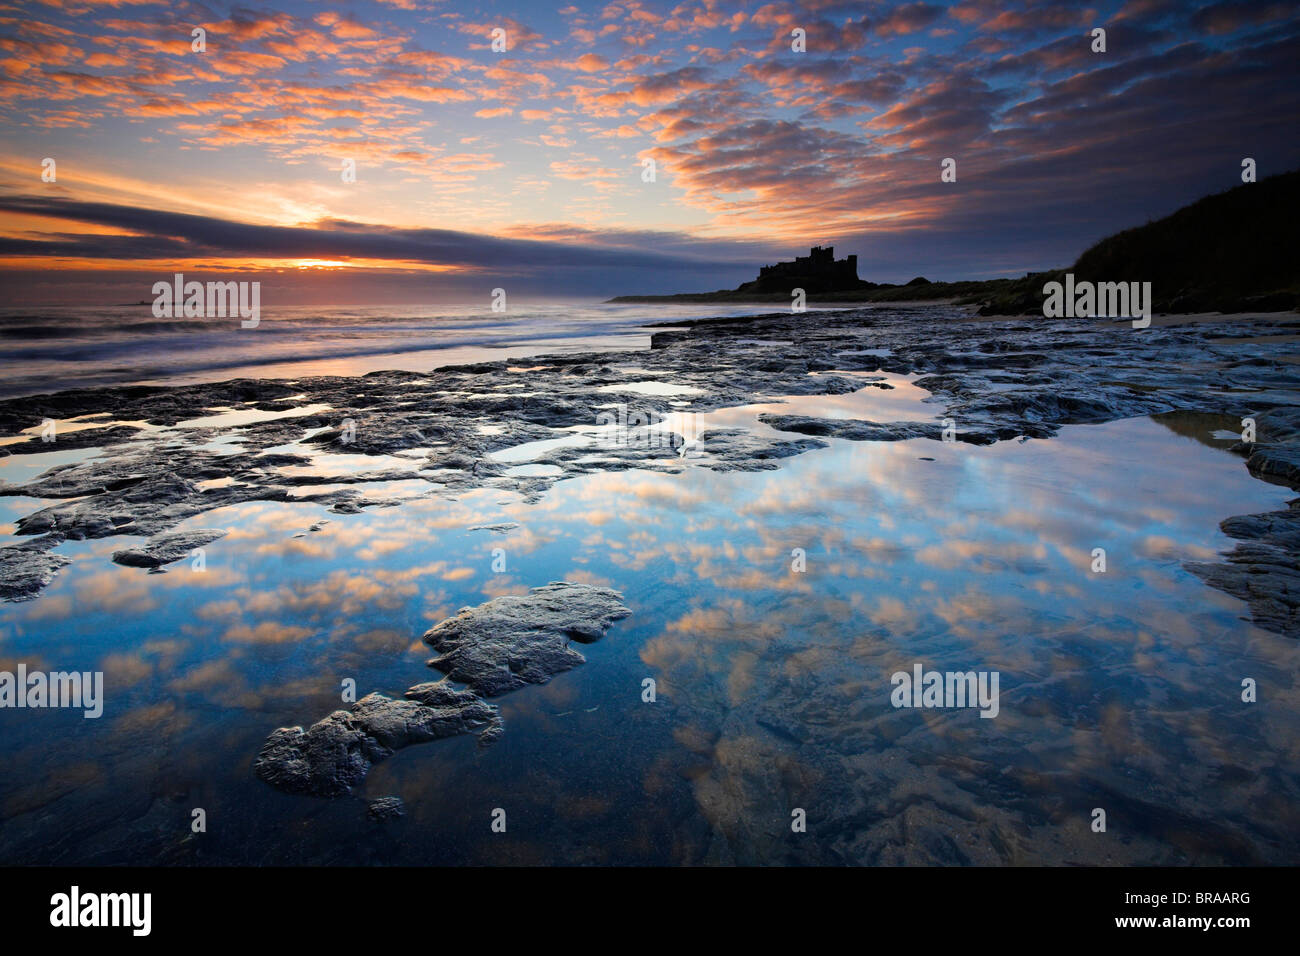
[{"x": 819, "y": 271}]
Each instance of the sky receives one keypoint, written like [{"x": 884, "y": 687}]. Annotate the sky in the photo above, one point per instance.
[{"x": 526, "y": 168}]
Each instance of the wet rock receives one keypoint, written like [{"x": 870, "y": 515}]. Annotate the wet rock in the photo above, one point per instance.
[
  {"x": 26, "y": 571},
  {"x": 1277, "y": 463},
  {"x": 386, "y": 809},
  {"x": 349, "y": 502},
  {"x": 335, "y": 754},
  {"x": 145, "y": 507},
  {"x": 495, "y": 648},
  {"x": 853, "y": 429},
  {"x": 738, "y": 449},
  {"x": 82, "y": 438},
  {"x": 997, "y": 378},
  {"x": 1278, "y": 425},
  {"x": 1266, "y": 577},
  {"x": 512, "y": 641},
  {"x": 1263, "y": 569},
  {"x": 1280, "y": 528},
  {"x": 165, "y": 548}
]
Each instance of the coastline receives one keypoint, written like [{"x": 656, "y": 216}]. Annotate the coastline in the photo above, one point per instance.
[
  {"x": 296, "y": 490},
  {"x": 995, "y": 378},
  {"x": 49, "y": 349}
]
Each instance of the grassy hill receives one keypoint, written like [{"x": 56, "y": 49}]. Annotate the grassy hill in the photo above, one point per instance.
[
  {"x": 1226, "y": 249},
  {"x": 1231, "y": 252}
]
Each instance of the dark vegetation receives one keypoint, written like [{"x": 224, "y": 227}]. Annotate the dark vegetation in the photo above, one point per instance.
[{"x": 1231, "y": 252}]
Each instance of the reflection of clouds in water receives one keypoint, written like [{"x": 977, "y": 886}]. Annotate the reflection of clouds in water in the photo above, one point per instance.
[
  {"x": 1119, "y": 688},
  {"x": 580, "y": 576},
  {"x": 209, "y": 677},
  {"x": 501, "y": 584},
  {"x": 267, "y": 632},
  {"x": 51, "y": 607},
  {"x": 120, "y": 591},
  {"x": 982, "y": 556},
  {"x": 51, "y": 782},
  {"x": 124, "y": 669},
  {"x": 1060, "y": 633},
  {"x": 164, "y": 719}
]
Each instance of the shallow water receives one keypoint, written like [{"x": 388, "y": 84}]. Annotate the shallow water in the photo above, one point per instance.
[
  {"x": 54, "y": 348},
  {"x": 1119, "y": 690}
]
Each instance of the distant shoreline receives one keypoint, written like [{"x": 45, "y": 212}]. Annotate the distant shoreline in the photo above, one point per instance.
[
  {"x": 1248, "y": 267},
  {"x": 875, "y": 296}
]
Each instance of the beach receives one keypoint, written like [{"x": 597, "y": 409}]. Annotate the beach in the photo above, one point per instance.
[{"x": 790, "y": 509}]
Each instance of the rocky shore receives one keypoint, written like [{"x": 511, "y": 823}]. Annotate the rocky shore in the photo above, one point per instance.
[
  {"x": 151, "y": 461},
  {"x": 493, "y": 649}
]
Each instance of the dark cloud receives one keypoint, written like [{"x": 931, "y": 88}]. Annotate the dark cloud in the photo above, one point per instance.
[
  {"x": 1056, "y": 145},
  {"x": 580, "y": 254}
]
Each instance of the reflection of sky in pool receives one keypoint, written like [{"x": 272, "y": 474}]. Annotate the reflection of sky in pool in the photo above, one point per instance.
[{"x": 1119, "y": 690}]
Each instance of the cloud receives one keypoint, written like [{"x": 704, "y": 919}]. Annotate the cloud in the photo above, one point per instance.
[
  {"x": 157, "y": 234},
  {"x": 1056, "y": 146}
]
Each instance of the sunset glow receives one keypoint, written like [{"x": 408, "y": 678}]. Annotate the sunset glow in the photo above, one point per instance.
[{"x": 393, "y": 133}]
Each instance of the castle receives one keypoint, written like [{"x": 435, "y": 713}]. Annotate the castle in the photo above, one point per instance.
[
  {"x": 819, "y": 271},
  {"x": 818, "y": 262}
]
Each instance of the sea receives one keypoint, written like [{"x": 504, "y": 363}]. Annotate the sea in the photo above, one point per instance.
[
  {"x": 771, "y": 610},
  {"x": 55, "y": 348}
]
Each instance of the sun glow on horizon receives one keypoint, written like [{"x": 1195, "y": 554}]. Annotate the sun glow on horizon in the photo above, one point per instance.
[{"x": 322, "y": 264}]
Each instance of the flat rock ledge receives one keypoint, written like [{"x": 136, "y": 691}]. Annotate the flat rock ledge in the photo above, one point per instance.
[
  {"x": 335, "y": 754},
  {"x": 494, "y": 648},
  {"x": 26, "y": 570},
  {"x": 1263, "y": 569},
  {"x": 166, "y": 548},
  {"x": 512, "y": 641},
  {"x": 386, "y": 809},
  {"x": 996, "y": 378}
]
